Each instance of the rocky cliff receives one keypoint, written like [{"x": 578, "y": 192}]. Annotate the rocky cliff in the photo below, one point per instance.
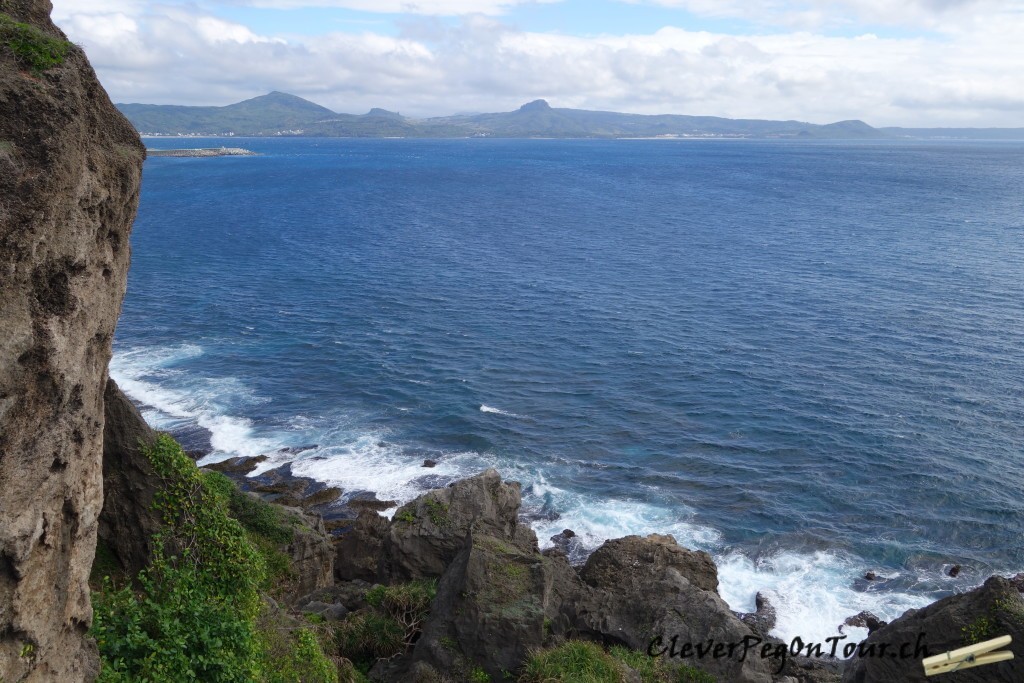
[{"x": 70, "y": 167}]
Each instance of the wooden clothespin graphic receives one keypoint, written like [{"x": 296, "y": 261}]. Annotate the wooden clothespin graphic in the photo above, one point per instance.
[{"x": 968, "y": 657}]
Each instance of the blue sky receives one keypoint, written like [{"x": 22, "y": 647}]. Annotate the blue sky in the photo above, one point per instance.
[{"x": 911, "y": 62}]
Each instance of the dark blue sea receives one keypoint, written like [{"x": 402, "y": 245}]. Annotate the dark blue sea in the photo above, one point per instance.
[{"x": 805, "y": 358}]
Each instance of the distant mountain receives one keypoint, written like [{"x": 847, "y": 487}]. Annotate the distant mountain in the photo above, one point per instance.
[
  {"x": 283, "y": 114},
  {"x": 264, "y": 115}
]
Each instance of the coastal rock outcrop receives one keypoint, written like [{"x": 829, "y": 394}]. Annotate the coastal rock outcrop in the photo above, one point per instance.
[
  {"x": 994, "y": 609},
  {"x": 128, "y": 520},
  {"x": 427, "y": 533},
  {"x": 70, "y": 168}
]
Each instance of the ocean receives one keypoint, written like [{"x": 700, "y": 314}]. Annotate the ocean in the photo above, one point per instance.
[{"x": 805, "y": 358}]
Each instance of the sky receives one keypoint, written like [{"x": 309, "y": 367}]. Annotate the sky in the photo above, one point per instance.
[{"x": 912, "y": 63}]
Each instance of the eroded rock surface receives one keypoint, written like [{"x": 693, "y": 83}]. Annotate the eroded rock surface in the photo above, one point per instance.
[{"x": 70, "y": 167}]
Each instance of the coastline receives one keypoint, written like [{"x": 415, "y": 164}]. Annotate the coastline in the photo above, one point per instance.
[
  {"x": 269, "y": 474},
  {"x": 201, "y": 152}
]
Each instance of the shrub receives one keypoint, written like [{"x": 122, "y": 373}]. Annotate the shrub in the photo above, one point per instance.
[
  {"x": 194, "y": 615},
  {"x": 364, "y": 637},
  {"x": 32, "y": 48},
  {"x": 573, "y": 662}
]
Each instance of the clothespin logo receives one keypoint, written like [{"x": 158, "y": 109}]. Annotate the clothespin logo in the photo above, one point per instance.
[{"x": 968, "y": 657}]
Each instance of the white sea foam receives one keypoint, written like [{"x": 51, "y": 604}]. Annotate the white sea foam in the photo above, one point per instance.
[
  {"x": 813, "y": 593},
  {"x": 496, "y": 411},
  {"x": 359, "y": 461},
  {"x": 595, "y": 520},
  {"x": 145, "y": 373}
]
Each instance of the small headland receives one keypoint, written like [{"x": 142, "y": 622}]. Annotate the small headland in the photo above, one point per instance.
[{"x": 202, "y": 152}]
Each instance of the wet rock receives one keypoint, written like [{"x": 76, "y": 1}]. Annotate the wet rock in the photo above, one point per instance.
[
  {"x": 236, "y": 466},
  {"x": 361, "y": 504},
  {"x": 324, "y": 496},
  {"x": 297, "y": 449},
  {"x": 954, "y": 571},
  {"x": 870, "y": 576},
  {"x": 994, "y": 609},
  {"x": 429, "y": 463},
  {"x": 763, "y": 619},
  {"x": 866, "y": 620}
]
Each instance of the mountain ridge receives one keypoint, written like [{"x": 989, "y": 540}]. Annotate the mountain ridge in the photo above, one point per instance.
[{"x": 282, "y": 114}]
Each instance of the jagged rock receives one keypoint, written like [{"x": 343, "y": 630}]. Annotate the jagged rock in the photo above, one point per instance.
[
  {"x": 491, "y": 609},
  {"x": 762, "y": 620},
  {"x": 128, "y": 519},
  {"x": 870, "y": 576},
  {"x": 866, "y": 620},
  {"x": 311, "y": 552},
  {"x": 632, "y": 557},
  {"x": 1018, "y": 581},
  {"x": 427, "y": 533},
  {"x": 237, "y": 466},
  {"x": 330, "y": 612},
  {"x": 359, "y": 550},
  {"x": 954, "y": 571},
  {"x": 70, "y": 167},
  {"x": 324, "y": 496},
  {"x": 348, "y": 594},
  {"x": 361, "y": 504},
  {"x": 644, "y": 586},
  {"x": 994, "y": 609}
]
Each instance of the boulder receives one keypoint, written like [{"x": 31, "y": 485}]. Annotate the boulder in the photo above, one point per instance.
[
  {"x": 632, "y": 559},
  {"x": 643, "y": 592},
  {"x": 994, "y": 609},
  {"x": 495, "y": 604},
  {"x": 866, "y": 620},
  {"x": 426, "y": 534}
]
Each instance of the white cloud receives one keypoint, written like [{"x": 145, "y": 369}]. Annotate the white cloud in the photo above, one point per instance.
[
  {"x": 925, "y": 14},
  {"x": 184, "y": 55},
  {"x": 432, "y": 7}
]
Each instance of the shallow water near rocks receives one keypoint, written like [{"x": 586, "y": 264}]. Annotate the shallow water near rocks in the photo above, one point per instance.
[{"x": 805, "y": 358}]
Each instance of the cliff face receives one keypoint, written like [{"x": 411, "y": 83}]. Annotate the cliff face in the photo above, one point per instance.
[{"x": 70, "y": 167}]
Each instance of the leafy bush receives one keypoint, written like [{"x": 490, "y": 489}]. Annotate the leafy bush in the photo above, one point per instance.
[
  {"x": 32, "y": 48},
  {"x": 366, "y": 636},
  {"x": 194, "y": 614},
  {"x": 389, "y": 625}
]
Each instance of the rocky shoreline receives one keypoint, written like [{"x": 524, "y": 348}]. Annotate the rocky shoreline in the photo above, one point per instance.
[
  {"x": 201, "y": 152},
  {"x": 500, "y": 597}
]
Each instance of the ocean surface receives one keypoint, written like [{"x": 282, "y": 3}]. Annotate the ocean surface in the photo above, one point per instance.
[{"x": 804, "y": 358}]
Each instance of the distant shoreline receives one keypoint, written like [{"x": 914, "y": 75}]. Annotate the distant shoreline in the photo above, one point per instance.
[{"x": 201, "y": 152}]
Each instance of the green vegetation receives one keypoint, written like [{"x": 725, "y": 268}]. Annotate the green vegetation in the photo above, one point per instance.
[
  {"x": 406, "y": 515},
  {"x": 437, "y": 511},
  {"x": 478, "y": 675},
  {"x": 32, "y": 48},
  {"x": 585, "y": 662},
  {"x": 389, "y": 625},
  {"x": 576, "y": 661},
  {"x": 195, "y": 611}
]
